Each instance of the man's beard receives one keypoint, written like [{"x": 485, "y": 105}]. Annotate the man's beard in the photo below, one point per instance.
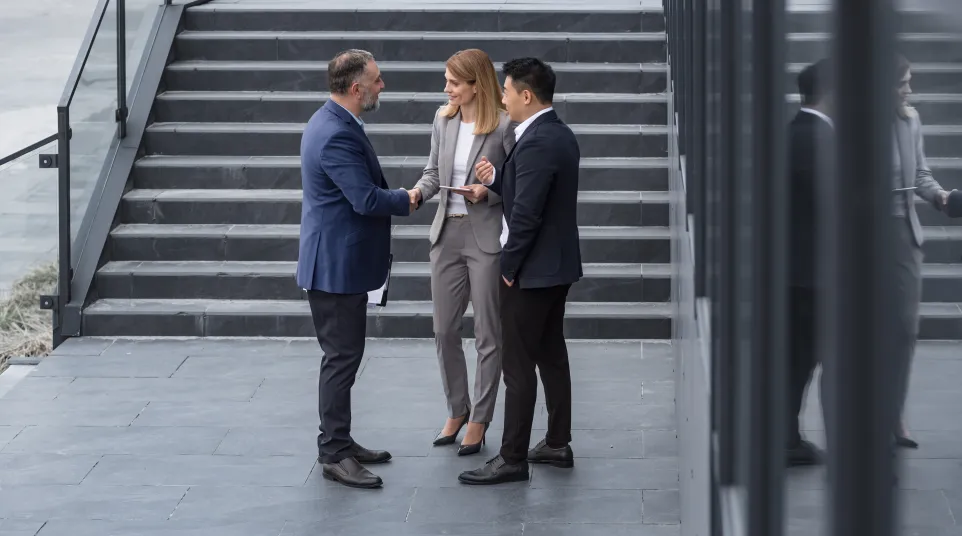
[{"x": 371, "y": 103}]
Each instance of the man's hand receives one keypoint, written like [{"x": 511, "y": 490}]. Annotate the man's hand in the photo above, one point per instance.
[
  {"x": 506, "y": 282},
  {"x": 414, "y": 195},
  {"x": 484, "y": 170},
  {"x": 944, "y": 198},
  {"x": 479, "y": 192}
]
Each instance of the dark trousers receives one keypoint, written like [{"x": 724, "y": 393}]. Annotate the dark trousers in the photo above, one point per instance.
[
  {"x": 802, "y": 354},
  {"x": 340, "y": 321},
  {"x": 532, "y": 324}
]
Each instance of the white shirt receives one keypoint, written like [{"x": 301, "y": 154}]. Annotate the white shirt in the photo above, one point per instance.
[
  {"x": 817, "y": 113},
  {"x": 518, "y": 132},
  {"x": 459, "y": 174}
]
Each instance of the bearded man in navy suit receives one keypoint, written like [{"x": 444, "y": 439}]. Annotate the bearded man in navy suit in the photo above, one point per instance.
[{"x": 344, "y": 253}]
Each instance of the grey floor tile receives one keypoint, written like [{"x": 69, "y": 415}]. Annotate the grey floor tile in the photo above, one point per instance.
[
  {"x": 259, "y": 348},
  {"x": 618, "y": 444},
  {"x": 600, "y": 529},
  {"x": 20, "y": 527},
  {"x": 200, "y": 470},
  {"x": 623, "y": 368},
  {"x": 38, "y": 388},
  {"x": 34, "y": 469},
  {"x": 926, "y": 508},
  {"x": 7, "y": 434},
  {"x": 403, "y": 529},
  {"x": 83, "y": 346},
  {"x": 188, "y": 390},
  {"x": 661, "y": 443},
  {"x": 143, "y": 365},
  {"x": 570, "y": 505},
  {"x": 471, "y": 504},
  {"x": 155, "y": 347},
  {"x": 936, "y": 444},
  {"x": 227, "y": 414},
  {"x": 609, "y": 349},
  {"x": 662, "y": 506},
  {"x": 425, "y": 472},
  {"x": 588, "y": 416},
  {"x": 328, "y": 502},
  {"x": 247, "y": 367},
  {"x": 599, "y": 473},
  {"x": 149, "y": 503},
  {"x": 929, "y": 474},
  {"x": 137, "y": 440},
  {"x": 31, "y": 412},
  {"x": 607, "y": 392},
  {"x": 162, "y": 528},
  {"x": 658, "y": 392}
]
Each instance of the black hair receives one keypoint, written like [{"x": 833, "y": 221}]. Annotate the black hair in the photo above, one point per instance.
[
  {"x": 534, "y": 75},
  {"x": 815, "y": 82},
  {"x": 345, "y": 69}
]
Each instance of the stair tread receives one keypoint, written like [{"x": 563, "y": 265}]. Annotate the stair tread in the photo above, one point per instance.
[
  {"x": 904, "y": 36},
  {"x": 379, "y": 128},
  {"x": 397, "y": 308},
  {"x": 392, "y": 96},
  {"x": 916, "y": 67},
  {"x": 173, "y": 161},
  {"x": 395, "y": 66},
  {"x": 275, "y": 195},
  {"x": 412, "y": 36},
  {"x": 398, "y": 231},
  {"x": 481, "y": 6},
  {"x": 287, "y": 269}
]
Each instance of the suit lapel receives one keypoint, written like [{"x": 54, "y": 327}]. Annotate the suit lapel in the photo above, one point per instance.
[{"x": 473, "y": 156}]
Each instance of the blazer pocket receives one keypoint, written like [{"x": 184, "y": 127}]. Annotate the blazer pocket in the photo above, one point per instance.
[{"x": 355, "y": 237}]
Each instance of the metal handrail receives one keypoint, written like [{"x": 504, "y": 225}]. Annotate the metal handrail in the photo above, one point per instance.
[
  {"x": 28, "y": 149},
  {"x": 86, "y": 47}
]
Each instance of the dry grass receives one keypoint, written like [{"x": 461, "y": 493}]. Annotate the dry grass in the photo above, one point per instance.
[{"x": 25, "y": 329}]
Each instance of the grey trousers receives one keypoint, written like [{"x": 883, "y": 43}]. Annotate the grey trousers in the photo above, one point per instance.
[
  {"x": 460, "y": 272},
  {"x": 908, "y": 294}
]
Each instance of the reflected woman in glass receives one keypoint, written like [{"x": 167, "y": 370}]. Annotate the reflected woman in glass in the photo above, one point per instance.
[
  {"x": 466, "y": 240},
  {"x": 910, "y": 170}
]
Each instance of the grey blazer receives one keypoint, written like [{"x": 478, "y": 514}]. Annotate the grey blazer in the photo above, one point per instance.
[
  {"x": 485, "y": 216},
  {"x": 915, "y": 169}
]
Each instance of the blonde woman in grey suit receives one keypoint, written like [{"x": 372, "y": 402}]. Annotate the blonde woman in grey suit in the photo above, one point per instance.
[
  {"x": 465, "y": 240},
  {"x": 910, "y": 170}
]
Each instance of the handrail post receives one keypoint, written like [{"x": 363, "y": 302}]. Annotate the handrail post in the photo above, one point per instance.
[
  {"x": 63, "y": 220},
  {"x": 121, "y": 68}
]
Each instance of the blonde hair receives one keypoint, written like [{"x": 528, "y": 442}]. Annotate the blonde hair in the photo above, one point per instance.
[{"x": 474, "y": 67}]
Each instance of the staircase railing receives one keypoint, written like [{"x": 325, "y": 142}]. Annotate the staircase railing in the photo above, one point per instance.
[{"x": 92, "y": 125}]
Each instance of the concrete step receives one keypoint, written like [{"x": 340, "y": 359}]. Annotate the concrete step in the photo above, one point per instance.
[
  {"x": 411, "y": 76},
  {"x": 928, "y": 47},
  {"x": 284, "y": 172},
  {"x": 284, "y": 139},
  {"x": 421, "y": 46},
  {"x": 239, "y": 280},
  {"x": 284, "y": 207},
  {"x": 933, "y": 108},
  {"x": 942, "y": 283},
  {"x": 948, "y": 171},
  {"x": 292, "y": 318},
  {"x": 177, "y": 242},
  {"x": 450, "y": 17},
  {"x": 817, "y": 19},
  {"x": 927, "y": 76},
  {"x": 396, "y": 107}
]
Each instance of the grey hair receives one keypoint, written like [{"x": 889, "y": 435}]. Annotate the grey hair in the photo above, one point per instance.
[{"x": 346, "y": 69}]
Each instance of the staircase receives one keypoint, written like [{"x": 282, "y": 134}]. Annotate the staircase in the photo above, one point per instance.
[
  {"x": 936, "y": 56},
  {"x": 207, "y": 234}
]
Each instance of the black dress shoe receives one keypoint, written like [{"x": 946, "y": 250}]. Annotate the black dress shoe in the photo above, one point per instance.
[
  {"x": 363, "y": 455},
  {"x": 803, "y": 453},
  {"x": 442, "y": 440},
  {"x": 905, "y": 442},
  {"x": 467, "y": 450},
  {"x": 542, "y": 453},
  {"x": 496, "y": 471},
  {"x": 351, "y": 473}
]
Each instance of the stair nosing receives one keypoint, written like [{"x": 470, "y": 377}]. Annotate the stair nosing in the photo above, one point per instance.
[
  {"x": 395, "y": 66},
  {"x": 379, "y": 128},
  {"x": 273, "y": 195},
  {"x": 179, "y": 161},
  {"x": 389, "y": 35},
  {"x": 397, "y": 96}
]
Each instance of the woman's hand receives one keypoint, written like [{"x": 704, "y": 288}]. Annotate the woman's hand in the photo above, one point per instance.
[{"x": 479, "y": 192}]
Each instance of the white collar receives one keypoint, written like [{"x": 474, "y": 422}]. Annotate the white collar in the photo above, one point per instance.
[
  {"x": 824, "y": 117},
  {"x": 519, "y": 130}
]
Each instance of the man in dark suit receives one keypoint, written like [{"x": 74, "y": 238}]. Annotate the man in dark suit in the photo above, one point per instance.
[
  {"x": 811, "y": 137},
  {"x": 344, "y": 251},
  {"x": 540, "y": 260}
]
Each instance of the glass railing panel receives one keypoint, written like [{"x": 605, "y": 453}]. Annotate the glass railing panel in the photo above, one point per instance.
[{"x": 92, "y": 117}]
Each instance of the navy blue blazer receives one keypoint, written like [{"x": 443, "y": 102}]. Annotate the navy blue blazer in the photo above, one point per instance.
[
  {"x": 538, "y": 185},
  {"x": 346, "y": 212}
]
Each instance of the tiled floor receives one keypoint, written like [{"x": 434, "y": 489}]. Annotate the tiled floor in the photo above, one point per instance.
[
  {"x": 931, "y": 480},
  {"x": 204, "y": 437}
]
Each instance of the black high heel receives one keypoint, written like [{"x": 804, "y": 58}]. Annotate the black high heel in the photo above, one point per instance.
[
  {"x": 442, "y": 440},
  {"x": 467, "y": 450},
  {"x": 905, "y": 442}
]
